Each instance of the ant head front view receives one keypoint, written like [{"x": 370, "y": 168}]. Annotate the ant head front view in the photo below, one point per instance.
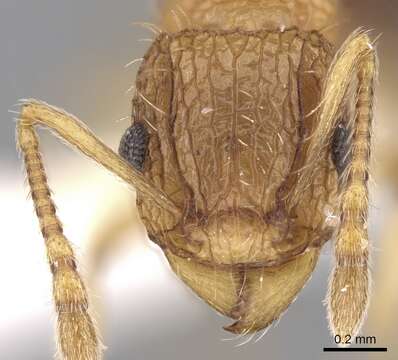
[
  {"x": 226, "y": 124},
  {"x": 248, "y": 150}
]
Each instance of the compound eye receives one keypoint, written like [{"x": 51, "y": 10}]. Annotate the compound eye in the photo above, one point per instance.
[
  {"x": 341, "y": 148},
  {"x": 133, "y": 145}
]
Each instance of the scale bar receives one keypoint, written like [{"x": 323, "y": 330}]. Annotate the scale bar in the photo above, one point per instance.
[{"x": 355, "y": 349}]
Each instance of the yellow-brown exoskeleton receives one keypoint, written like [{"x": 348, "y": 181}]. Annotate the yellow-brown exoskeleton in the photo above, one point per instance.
[{"x": 249, "y": 149}]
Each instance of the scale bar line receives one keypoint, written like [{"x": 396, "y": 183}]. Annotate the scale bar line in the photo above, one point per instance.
[{"x": 355, "y": 349}]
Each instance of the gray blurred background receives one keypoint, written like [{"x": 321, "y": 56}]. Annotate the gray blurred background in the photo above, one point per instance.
[{"x": 72, "y": 54}]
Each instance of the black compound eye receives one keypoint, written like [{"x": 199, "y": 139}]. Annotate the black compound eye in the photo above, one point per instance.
[
  {"x": 341, "y": 148},
  {"x": 133, "y": 145}
]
